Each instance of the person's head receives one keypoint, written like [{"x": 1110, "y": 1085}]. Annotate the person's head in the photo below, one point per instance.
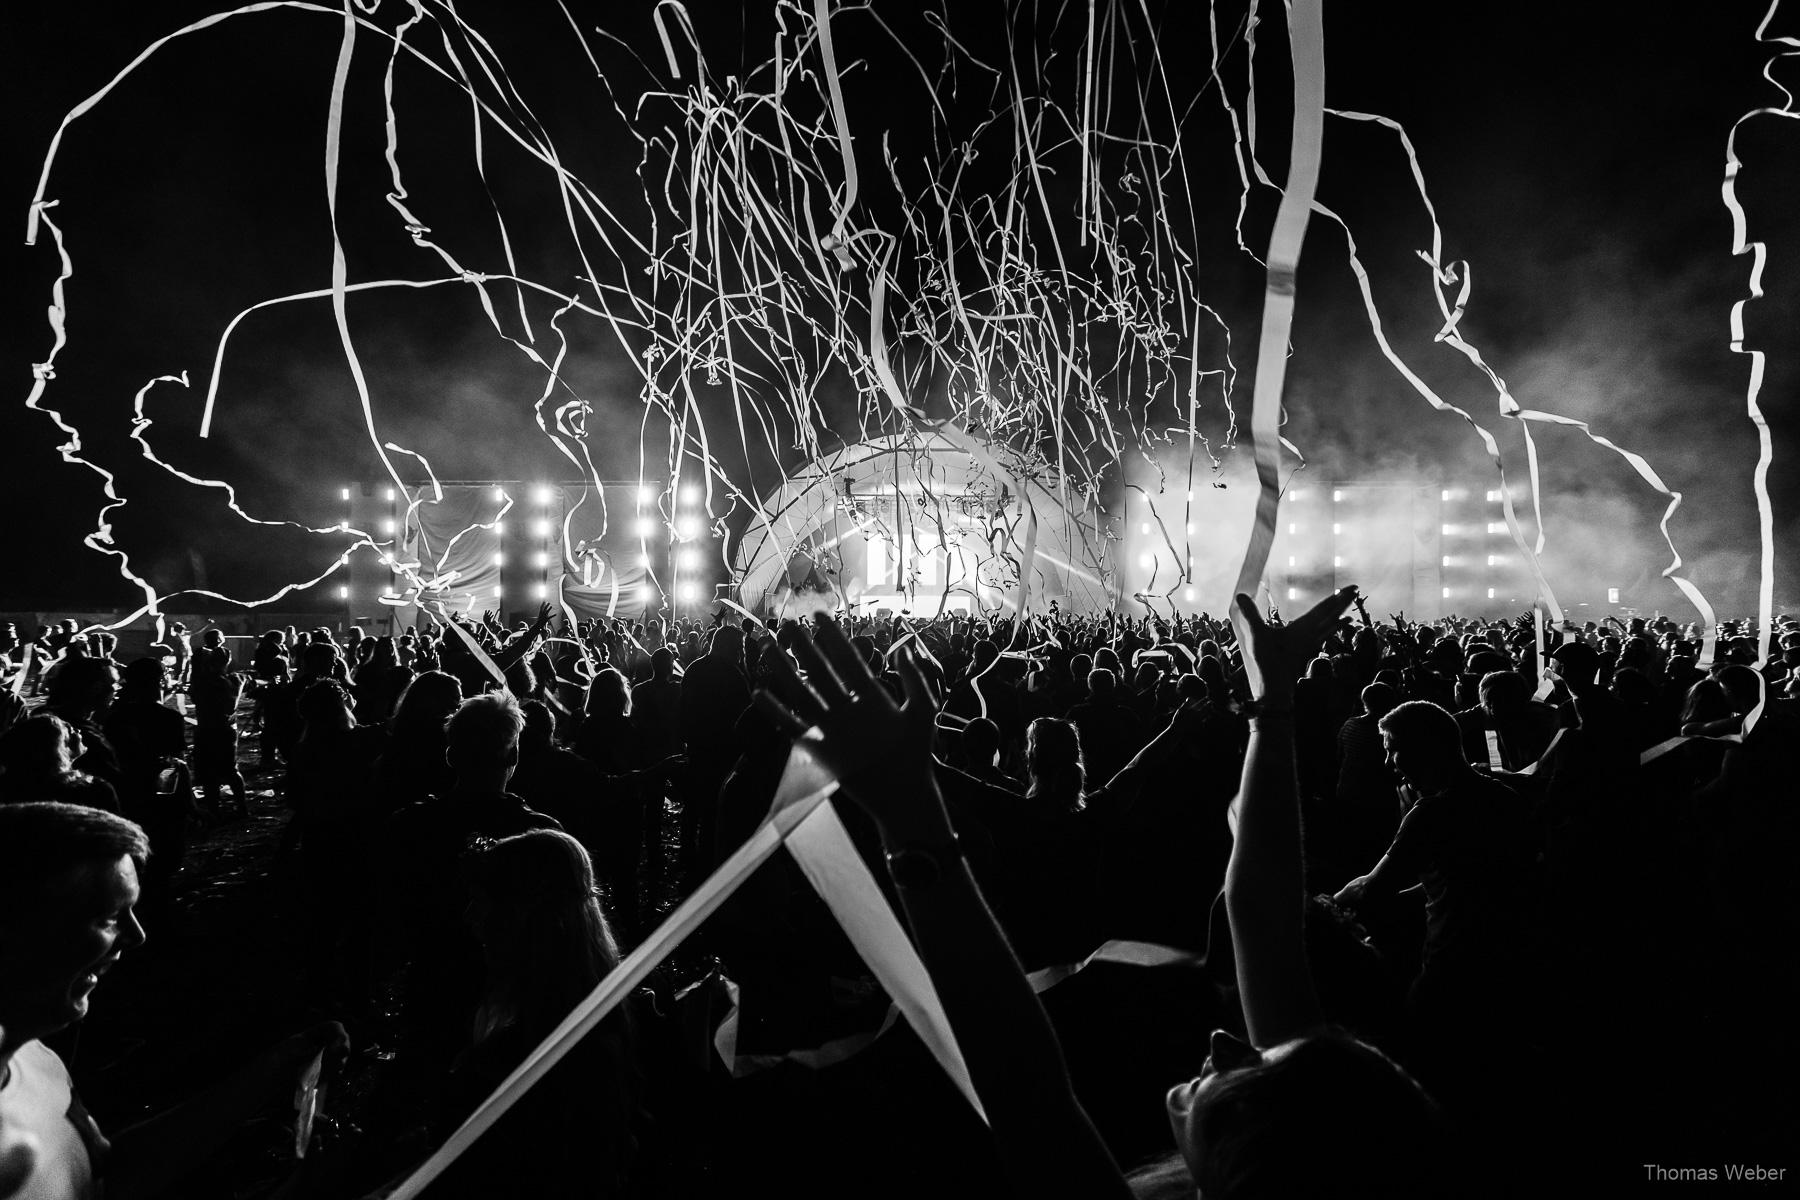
[
  {"x": 728, "y": 643},
  {"x": 1742, "y": 685},
  {"x": 540, "y": 725},
  {"x": 83, "y": 686},
  {"x": 1423, "y": 744},
  {"x": 326, "y": 706},
  {"x": 662, "y": 662},
  {"x": 143, "y": 681},
  {"x": 40, "y": 747},
  {"x": 1107, "y": 659},
  {"x": 1102, "y": 685},
  {"x": 482, "y": 738},
  {"x": 319, "y": 658},
  {"x": 609, "y": 695},
  {"x": 1319, "y": 1115},
  {"x": 1319, "y": 668},
  {"x": 1379, "y": 699},
  {"x": 981, "y": 742},
  {"x": 68, "y": 887},
  {"x": 214, "y": 639},
  {"x": 1053, "y": 764},
  {"x": 427, "y": 702},
  {"x": 534, "y": 907},
  {"x": 1504, "y": 693},
  {"x": 1577, "y": 662},
  {"x": 1079, "y": 668}
]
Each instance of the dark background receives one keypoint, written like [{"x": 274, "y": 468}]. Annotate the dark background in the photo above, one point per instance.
[{"x": 1574, "y": 154}]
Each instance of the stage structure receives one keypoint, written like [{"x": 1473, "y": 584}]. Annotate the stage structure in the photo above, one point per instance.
[
  {"x": 624, "y": 549},
  {"x": 912, "y": 523},
  {"x": 1420, "y": 548}
]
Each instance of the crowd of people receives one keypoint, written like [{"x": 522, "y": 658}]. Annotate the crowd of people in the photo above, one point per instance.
[{"x": 1455, "y": 907}]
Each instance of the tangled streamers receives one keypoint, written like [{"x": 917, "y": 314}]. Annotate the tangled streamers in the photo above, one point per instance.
[{"x": 1015, "y": 267}]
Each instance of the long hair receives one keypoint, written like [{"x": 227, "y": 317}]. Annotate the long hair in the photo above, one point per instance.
[
  {"x": 39, "y": 749},
  {"x": 609, "y": 694},
  {"x": 1053, "y": 763},
  {"x": 546, "y": 938}
]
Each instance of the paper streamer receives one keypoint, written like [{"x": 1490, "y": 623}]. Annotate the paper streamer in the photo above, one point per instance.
[
  {"x": 825, "y": 854},
  {"x": 1306, "y": 38},
  {"x": 1125, "y": 953}
]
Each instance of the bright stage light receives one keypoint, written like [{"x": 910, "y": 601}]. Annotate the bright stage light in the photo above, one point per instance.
[
  {"x": 1494, "y": 560},
  {"x": 1446, "y": 593},
  {"x": 499, "y": 560},
  {"x": 1293, "y": 561},
  {"x": 1190, "y": 529},
  {"x": 387, "y": 560},
  {"x": 542, "y": 529},
  {"x": 1445, "y": 561},
  {"x": 689, "y": 560},
  {"x": 1187, "y": 594},
  {"x": 1293, "y": 593},
  {"x": 387, "y": 526},
  {"x": 543, "y": 590},
  {"x": 646, "y": 495},
  {"x": 541, "y": 495},
  {"x": 1296, "y": 494},
  {"x": 689, "y": 592},
  {"x": 692, "y": 493},
  {"x": 1146, "y": 560},
  {"x": 1293, "y": 528},
  {"x": 344, "y": 494},
  {"x": 500, "y": 494},
  {"x": 390, "y": 495},
  {"x": 343, "y": 593},
  {"x": 1336, "y": 496},
  {"x": 542, "y": 559},
  {"x": 1493, "y": 495},
  {"x": 1337, "y": 560},
  {"x": 1448, "y": 530},
  {"x": 644, "y": 561},
  {"x": 646, "y": 527},
  {"x": 1336, "y": 528},
  {"x": 647, "y": 593},
  {"x": 689, "y": 527},
  {"x": 1496, "y": 526},
  {"x": 499, "y": 528},
  {"x": 1490, "y": 593},
  {"x": 1144, "y": 527}
]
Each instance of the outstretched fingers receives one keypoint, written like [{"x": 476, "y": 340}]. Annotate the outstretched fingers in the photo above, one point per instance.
[
  {"x": 795, "y": 698},
  {"x": 845, "y": 662}
]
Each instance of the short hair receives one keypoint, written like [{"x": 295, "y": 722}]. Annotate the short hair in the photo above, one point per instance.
[
  {"x": 1380, "y": 699},
  {"x": 1505, "y": 688},
  {"x": 485, "y": 729},
  {"x": 76, "y": 675},
  {"x": 1102, "y": 682},
  {"x": 1424, "y": 726},
  {"x": 42, "y": 843},
  {"x": 727, "y": 637}
]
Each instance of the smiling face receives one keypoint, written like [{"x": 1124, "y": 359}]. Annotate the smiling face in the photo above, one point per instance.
[{"x": 51, "y": 963}]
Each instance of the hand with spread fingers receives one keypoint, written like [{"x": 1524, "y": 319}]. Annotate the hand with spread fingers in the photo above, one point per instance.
[
  {"x": 879, "y": 750},
  {"x": 1274, "y": 655}
]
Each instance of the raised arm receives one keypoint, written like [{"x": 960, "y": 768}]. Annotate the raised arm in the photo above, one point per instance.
[
  {"x": 881, "y": 753},
  {"x": 1265, "y": 891}
]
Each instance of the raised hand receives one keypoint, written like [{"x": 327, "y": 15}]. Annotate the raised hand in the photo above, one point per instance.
[
  {"x": 879, "y": 750},
  {"x": 1274, "y": 655}
]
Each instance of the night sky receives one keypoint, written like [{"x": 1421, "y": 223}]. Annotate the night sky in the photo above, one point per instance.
[{"x": 1574, "y": 154}]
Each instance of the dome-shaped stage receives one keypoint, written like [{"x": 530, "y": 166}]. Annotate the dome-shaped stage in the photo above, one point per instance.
[{"x": 919, "y": 524}]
